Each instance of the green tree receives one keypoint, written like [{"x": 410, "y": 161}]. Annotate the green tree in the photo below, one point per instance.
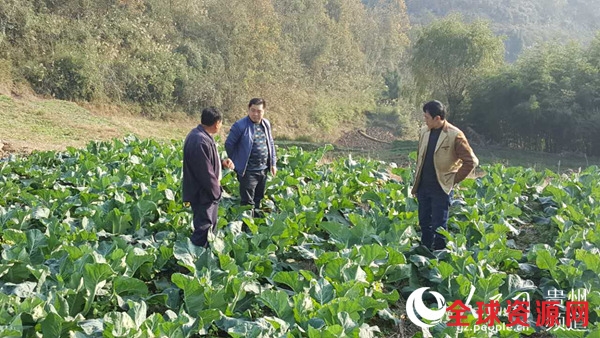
[
  {"x": 546, "y": 101},
  {"x": 448, "y": 54},
  {"x": 594, "y": 51}
]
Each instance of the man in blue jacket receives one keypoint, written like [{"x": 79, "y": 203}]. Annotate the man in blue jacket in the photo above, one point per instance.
[
  {"x": 202, "y": 173},
  {"x": 250, "y": 146}
]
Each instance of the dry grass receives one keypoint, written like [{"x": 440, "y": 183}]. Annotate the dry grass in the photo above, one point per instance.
[{"x": 40, "y": 124}]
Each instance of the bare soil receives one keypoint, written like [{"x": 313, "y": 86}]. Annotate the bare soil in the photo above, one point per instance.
[{"x": 356, "y": 139}]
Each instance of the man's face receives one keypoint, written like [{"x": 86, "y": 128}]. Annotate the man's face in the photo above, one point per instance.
[
  {"x": 432, "y": 122},
  {"x": 256, "y": 112},
  {"x": 214, "y": 129}
]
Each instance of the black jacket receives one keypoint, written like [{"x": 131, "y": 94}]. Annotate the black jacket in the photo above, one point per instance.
[{"x": 200, "y": 168}]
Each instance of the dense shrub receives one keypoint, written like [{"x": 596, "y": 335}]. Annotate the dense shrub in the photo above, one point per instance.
[
  {"x": 547, "y": 101},
  {"x": 310, "y": 57},
  {"x": 65, "y": 77}
]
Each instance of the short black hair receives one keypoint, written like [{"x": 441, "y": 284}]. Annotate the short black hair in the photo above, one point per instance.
[
  {"x": 435, "y": 108},
  {"x": 210, "y": 116},
  {"x": 257, "y": 101}
]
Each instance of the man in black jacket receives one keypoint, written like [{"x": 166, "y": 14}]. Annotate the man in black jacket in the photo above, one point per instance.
[{"x": 202, "y": 173}]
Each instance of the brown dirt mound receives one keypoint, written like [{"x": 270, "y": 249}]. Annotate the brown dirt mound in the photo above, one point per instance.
[
  {"x": 7, "y": 148},
  {"x": 372, "y": 138}
]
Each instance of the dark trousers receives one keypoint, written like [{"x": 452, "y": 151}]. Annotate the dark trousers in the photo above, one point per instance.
[
  {"x": 252, "y": 187},
  {"x": 433, "y": 214},
  {"x": 205, "y": 219}
]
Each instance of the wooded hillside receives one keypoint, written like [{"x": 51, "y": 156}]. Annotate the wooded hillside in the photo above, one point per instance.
[
  {"x": 316, "y": 61},
  {"x": 322, "y": 64},
  {"x": 523, "y": 22}
]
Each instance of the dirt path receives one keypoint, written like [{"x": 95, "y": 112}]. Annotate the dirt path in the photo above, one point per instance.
[{"x": 371, "y": 138}]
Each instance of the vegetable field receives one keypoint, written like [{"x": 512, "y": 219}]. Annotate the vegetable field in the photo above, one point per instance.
[{"x": 95, "y": 244}]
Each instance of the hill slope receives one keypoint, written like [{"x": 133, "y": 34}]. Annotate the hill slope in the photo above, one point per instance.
[
  {"x": 523, "y": 22},
  {"x": 39, "y": 124},
  {"x": 315, "y": 62}
]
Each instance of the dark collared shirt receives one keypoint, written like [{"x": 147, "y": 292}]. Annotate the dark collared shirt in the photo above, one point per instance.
[{"x": 428, "y": 175}]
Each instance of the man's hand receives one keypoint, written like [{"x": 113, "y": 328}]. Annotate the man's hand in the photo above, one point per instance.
[
  {"x": 228, "y": 163},
  {"x": 273, "y": 171}
]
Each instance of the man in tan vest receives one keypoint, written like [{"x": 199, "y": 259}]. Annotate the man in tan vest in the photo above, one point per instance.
[{"x": 444, "y": 159}]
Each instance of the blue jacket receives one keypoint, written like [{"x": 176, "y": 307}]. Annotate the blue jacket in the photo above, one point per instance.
[{"x": 239, "y": 143}]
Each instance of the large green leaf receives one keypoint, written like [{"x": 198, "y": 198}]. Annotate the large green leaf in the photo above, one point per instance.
[
  {"x": 14, "y": 329},
  {"x": 322, "y": 291},
  {"x": 445, "y": 269},
  {"x": 93, "y": 275},
  {"x": 338, "y": 232},
  {"x": 189, "y": 255},
  {"x": 515, "y": 285},
  {"x": 279, "y": 302},
  {"x": 292, "y": 279},
  {"x": 136, "y": 257},
  {"x": 143, "y": 211},
  {"x": 193, "y": 292},
  {"x": 36, "y": 241},
  {"x": 116, "y": 222},
  {"x": 591, "y": 260},
  {"x": 545, "y": 261},
  {"x": 346, "y": 321},
  {"x": 334, "y": 331},
  {"x": 124, "y": 286},
  {"x": 303, "y": 306},
  {"x": 137, "y": 311},
  {"x": 329, "y": 312},
  {"x": 334, "y": 268},
  {"x": 52, "y": 325},
  {"x": 397, "y": 272},
  {"x": 353, "y": 272},
  {"x": 369, "y": 254},
  {"x": 488, "y": 287},
  {"x": 119, "y": 324},
  {"x": 239, "y": 328},
  {"x": 40, "y": 212},
  {"x": 208, "y": 317},
  {"x": 92, "y": 327}
]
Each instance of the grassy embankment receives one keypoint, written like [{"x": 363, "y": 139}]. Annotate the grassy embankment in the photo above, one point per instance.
[
  {"x": 32, "y": 123},
  {"x": 39, "y": 124}
]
